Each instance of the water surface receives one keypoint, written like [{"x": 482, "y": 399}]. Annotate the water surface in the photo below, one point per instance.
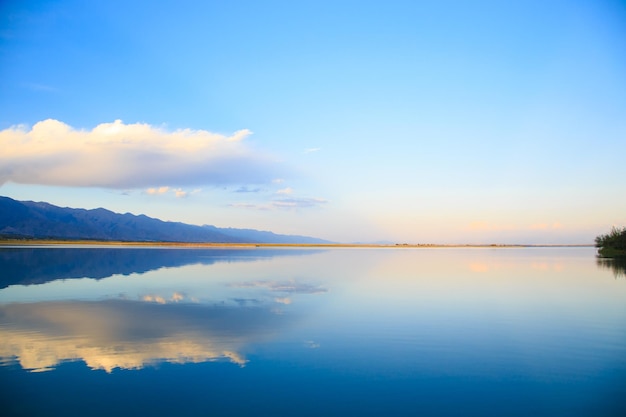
[{"x": 446, "y": 332}]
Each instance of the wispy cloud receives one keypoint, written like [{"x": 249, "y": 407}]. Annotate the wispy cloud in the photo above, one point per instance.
[
  {"x": 250, "y": 206},
  {"x": 41, "y": 87},
  {"x": 178, "y": 192},
  {"x": 310, "y": 150},
  {"x": 287, "y": 190},
  {"x": 126, "y": 156},
  {"x": 283, "y": 204},
  {"x": 247, "y": 190},
  {"x": 298, "y": 202}
]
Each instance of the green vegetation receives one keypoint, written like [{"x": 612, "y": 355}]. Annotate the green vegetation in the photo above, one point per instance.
[{"x": 613, "y": 244}]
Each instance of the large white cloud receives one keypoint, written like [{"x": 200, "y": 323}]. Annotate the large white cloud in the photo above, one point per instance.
[{"x": 118, "y": 155}]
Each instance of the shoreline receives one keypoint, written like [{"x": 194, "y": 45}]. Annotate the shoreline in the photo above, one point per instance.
[{"x": 43, "y": 242}]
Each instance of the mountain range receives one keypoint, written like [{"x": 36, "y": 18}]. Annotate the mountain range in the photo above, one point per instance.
[{"x": 39, "y": 220}]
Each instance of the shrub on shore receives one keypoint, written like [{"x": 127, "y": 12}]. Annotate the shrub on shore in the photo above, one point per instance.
[{"x": 613, "y": 244}]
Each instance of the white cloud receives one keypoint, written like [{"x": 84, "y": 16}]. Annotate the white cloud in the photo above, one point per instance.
[
  {"x": 178, "y": 192},
  {"x": 125, "y": 156},
  {"x": 309, "y": 150},
  {"x": 287, "y": 190}
]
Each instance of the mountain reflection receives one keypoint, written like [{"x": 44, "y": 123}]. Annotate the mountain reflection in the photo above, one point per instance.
[
  {"x": 26, "y": 266},
  {"x": 130, "y": 334}
]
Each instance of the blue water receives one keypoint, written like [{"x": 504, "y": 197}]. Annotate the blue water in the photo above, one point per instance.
[{"x": 282, "y": 332}]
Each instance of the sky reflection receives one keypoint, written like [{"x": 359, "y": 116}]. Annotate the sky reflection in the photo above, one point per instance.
[
  {"x": 391, "y": 312},
  {"x": 191, "y": 311}
]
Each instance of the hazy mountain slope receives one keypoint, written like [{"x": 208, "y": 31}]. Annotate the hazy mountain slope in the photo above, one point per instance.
[{"x": 42, "y": 220}]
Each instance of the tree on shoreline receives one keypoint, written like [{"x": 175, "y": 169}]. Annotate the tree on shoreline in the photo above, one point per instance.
[{"x": 613, "y": 244}]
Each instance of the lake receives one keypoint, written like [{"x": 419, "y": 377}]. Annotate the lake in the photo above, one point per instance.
[{"x": 123, "y": 331}]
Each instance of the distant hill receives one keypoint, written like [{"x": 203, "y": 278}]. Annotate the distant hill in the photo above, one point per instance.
[{"x": 38, "y": 220}]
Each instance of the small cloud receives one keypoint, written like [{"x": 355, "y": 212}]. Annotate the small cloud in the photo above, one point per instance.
[
  {"x": 180, "y": 193},
  {"x": 247, "y": 190},
  {"x": 283, "y": 300},
  {"x": 157, "y": 191},
  {"x": 310, "y": 150},
  {"x": 287, "y": 190},
  {"x": 278, "y": 180}
]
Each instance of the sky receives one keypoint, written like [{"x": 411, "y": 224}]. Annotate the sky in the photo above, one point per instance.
[{"x": 352, "y": 121}]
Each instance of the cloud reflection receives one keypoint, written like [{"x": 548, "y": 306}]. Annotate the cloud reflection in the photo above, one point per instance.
[
  {"x": 289, "y": 287},
  {"x": 128, "y": 334}
]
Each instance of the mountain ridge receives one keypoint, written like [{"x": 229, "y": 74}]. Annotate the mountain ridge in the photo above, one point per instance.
[{"x": 42, "y": 220}]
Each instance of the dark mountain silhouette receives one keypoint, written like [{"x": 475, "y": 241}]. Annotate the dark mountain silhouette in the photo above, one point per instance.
[{"x": 38, "y": 220}]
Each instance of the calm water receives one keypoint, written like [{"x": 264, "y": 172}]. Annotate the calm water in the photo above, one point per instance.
[{"x": 297, "y": 332}]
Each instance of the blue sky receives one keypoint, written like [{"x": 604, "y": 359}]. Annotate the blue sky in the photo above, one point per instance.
[{"x": 405, "y": 121}]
